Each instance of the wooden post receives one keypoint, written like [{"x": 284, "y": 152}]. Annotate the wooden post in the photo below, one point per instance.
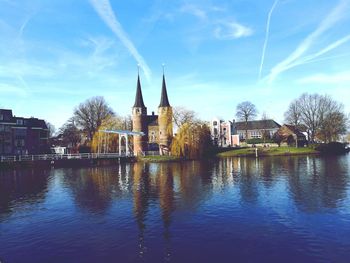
[{"x": 256, "y": 152}]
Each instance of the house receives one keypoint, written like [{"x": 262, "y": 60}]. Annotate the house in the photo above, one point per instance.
[
  {"x": 256, "y": 129},
  {"x": 292, "y": 135},
  {"x": 20, "y": 136},
  {"x": 222, "y": 133}
]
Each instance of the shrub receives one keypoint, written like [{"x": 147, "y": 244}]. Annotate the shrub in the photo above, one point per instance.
[
  {"x": 331, "y": 148},
  {"x": 258, "y": 141}
]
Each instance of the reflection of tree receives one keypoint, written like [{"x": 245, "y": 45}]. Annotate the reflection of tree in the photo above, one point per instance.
[
  {"x": 319, "y": 186},
  {"x": 194, "y": 180},
  {"x": 20, "y": 187},
  {"x": 93, "y": 188}
]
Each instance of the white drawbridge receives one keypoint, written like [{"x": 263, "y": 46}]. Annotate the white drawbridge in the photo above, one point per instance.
[{"x": 103, "y": 141}]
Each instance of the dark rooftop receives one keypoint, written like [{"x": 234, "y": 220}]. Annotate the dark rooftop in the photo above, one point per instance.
[
  {"x": 257, "y": 125},
  {"x": 164, "y": 101},
  {"x": 139, "y": 99},
  {"x": 152, "y": 120}
]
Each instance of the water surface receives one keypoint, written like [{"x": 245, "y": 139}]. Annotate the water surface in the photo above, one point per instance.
[{"x": 290, "y": 209}]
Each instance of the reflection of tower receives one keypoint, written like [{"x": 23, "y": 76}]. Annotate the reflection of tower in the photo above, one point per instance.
[
  {"x": 166, "y": 200},
  {"x": 139, "y": 121},
  {"x": 141, "y": 192},
  {"x": 165, "y": 115}
]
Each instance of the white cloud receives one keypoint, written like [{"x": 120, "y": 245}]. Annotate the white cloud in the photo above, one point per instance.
[
  {"x": 340, "y": 11},
  {"x": 231, "y": 30},
  {"x": 324, "y": 79},
  {"x": 104, "y": 9}
]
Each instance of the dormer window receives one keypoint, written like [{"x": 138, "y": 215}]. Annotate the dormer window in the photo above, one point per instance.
[{"x": 19, "y": 122}]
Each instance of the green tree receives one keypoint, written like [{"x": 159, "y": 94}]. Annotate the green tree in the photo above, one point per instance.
[{"x": 192, "y": 141}]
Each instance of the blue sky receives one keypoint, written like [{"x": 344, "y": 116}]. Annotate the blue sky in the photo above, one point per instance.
[{"x": 55, "y": 54}]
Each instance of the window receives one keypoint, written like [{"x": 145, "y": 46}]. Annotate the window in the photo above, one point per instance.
[
  {"x": 19, "y": 122},
  {"x": 20, "y": 132},
  {"x": 215, "y": 123},
  {"x": 1, "y": 117},
  {"x": 2, "y": 127}
]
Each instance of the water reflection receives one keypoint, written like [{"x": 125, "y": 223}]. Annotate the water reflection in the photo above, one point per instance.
[
  {"x": 321, "y": 185},
  {"x": 19, "y": 188},
  {"x": 153, "y": 199}
]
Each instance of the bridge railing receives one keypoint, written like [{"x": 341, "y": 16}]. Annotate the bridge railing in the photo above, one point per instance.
[{"x": 52, "y": 157}]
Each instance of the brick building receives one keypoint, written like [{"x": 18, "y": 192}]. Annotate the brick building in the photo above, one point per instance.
[
  {"x": 157, "y": 129},
  {"x": 21, "y": 136},
  {"x": 256, "y": 129}
]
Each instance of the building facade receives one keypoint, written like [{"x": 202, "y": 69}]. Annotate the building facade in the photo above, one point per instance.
[
  {"x": 223, "y": 133},
  {"x": 292, "y": 136},
  {"x": 22, "y": 136},
  {"x": 157, "y": 129},
  {"x": 256, "y": 129}
]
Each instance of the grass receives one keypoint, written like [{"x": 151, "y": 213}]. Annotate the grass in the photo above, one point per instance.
[
  {"x": 273, "y": 151},
  {"x": 158, "y": 159}
]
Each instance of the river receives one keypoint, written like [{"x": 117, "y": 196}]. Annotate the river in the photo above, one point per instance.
[{"x": 281, "y": 209}]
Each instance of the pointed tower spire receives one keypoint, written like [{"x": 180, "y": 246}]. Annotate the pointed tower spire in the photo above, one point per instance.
[
  {"x": 139, "y": 99},
  {"x": 164, "y": 101}
]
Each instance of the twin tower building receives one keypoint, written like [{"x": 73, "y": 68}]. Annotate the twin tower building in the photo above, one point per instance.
[{"x": 157, "y": 129}]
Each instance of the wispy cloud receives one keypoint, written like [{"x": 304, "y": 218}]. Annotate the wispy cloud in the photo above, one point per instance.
[
  {"x": 24, "y": 24},
  {"x": 336, "y": 78},
  {"x": 13, "y": 90},
  {"x": 104, "y": 9},
  {"x": 231, "y": 30},
  {"x": 267, "y": 36},
  {"x": 335, "y": 16},
  {"x": 194, "y": 10}
]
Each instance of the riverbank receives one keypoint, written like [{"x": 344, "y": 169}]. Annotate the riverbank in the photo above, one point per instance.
[
  {"x": 274, "y": 151},
  {"x": 158, "y": 159}
]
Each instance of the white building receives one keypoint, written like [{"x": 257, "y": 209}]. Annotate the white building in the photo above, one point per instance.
[{"x": 223, "y": 134}]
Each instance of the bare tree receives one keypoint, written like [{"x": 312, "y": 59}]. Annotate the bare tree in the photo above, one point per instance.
[
  {"x": 89, "y": 115},
  {"x": 320, "y": 114},
  {"x": 182, "y": 115},
  {"x": 293, "y": 114},
  {"x": 246, "y": 111},
  {"x": 52, "y": 129},
  {"x": 333, "y": 124},
  {"x": 70, "y": 134},
  {"x": 264, "y": 132}
]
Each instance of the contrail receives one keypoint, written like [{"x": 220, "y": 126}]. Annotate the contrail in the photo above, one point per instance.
[
  {"x": 337, "y": 14},
  {"x": 105, "y": 11},
  {"x": 266, "y": 37}
]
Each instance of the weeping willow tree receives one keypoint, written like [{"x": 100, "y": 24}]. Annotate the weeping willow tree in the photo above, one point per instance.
[
  {"x": 192, "y": 141},
  {"x": 102, "y": 142}
]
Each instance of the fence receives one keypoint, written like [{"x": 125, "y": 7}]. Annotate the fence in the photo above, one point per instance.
[{"x": 52, "y": 157}]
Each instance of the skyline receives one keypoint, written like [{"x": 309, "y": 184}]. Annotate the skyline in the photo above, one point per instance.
[{"x": 56, "y": 55}]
